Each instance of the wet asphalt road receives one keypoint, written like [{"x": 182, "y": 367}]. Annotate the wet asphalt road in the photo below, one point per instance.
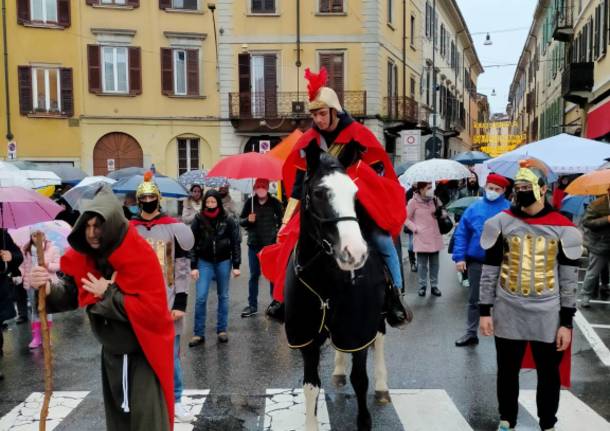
[{"x": 257, "y": 358}]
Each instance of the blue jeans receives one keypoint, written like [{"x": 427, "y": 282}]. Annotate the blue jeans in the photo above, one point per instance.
[
  {"x": 177, "y": 371},
  {"x": 222, "y": 272},
  {"x": 255, "y": 273},
  {"x": 385, "y": 246}
]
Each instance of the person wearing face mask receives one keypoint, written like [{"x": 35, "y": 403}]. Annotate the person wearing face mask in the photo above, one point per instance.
[
  {"x": 529, "y": 281},
  {"x": 217, "y": 253},
  {"x": 192, "y": 206},
  {"x": 261, "y": 216},
  {"x": 130, "y": 206},
  {"x": 427, "y": 238},
  {"x": 171, "y": 240},
  {"x": 467, "y": 252}
]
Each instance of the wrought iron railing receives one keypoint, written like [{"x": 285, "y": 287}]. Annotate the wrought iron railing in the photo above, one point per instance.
[
  {"x": 287, "y": 104},
  {"x": 401, "y": 108}
]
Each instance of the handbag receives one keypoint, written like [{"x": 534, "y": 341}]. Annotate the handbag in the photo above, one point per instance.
[{"x": 444, "y": 222}]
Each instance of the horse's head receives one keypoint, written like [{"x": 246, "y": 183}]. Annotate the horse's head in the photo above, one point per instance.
[{"x": 329, "y": 212}]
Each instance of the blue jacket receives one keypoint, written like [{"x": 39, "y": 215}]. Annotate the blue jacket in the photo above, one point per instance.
[{"x": 468, "y": 233}]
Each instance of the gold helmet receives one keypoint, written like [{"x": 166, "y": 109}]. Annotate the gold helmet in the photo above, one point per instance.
[
  {"x": 148, "y": 187},
  {"x": 321, "y": 96}
]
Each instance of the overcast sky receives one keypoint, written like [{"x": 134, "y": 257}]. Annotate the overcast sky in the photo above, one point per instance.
[{"x": 508, "y": 23}]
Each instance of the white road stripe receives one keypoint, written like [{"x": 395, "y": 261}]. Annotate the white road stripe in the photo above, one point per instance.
[
  {"x": 573, "y": 413},
  {"x": 285, "y": 410},
  {"x": 192, "y": 400},
  {"x": 427, "y": 410},
  {"x": 26, "y": 416},
  {"x": 599, "y": 326},
  {"x": 596, "y": 343}
]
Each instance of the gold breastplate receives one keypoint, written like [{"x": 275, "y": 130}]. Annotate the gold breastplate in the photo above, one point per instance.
[
  {"x": 529, "y": 264},
  {"x": 165, "y": 254}
]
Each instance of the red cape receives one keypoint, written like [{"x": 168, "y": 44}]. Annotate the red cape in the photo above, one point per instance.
[
  {"x": 164, "y": 219},
  {"x": 382, "y": 197},
  {"x": 565, "y": 367},
  {"x": 140, "y": 279}
]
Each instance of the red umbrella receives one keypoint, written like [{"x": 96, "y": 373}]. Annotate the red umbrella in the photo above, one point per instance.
[{"x": 248, "y": 165}]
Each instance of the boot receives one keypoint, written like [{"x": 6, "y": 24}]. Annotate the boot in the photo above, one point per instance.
[
  {"x": 397, "y": 313},
  {"x": 36, "y": 336}
]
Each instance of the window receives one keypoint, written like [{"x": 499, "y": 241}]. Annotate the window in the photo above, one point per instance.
[
  {"x": 258, "y": 85},
  {"x": 188, "y": 154},
  {"x": 44, "y": 10},
  {"x": 262, "y": 6},
  {"x": 180, "y": 72},
  {"x": 185, "y": 4},
  {"x": 117, "y": 2},
  {"x": 115, "y": 70},
  {"x": 428, "y": 20},
  {"x": 46, "y": 90},
  {"x": 390, "y": 4},
  {"x": 331, "y": 6},
  {"x": 413, "y": 32},
  {"x": 443, "y": 48},
  {"x": 412, "y": 90},
  {"x": 132, "y": 3}
]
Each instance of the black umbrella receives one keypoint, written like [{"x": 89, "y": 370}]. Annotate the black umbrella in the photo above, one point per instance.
[{"x": 471, "y": 157}]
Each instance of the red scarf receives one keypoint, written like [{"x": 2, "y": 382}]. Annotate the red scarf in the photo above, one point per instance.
[
  {"x": 140, "y": 279},
  {"x": 211, "y": 214}
]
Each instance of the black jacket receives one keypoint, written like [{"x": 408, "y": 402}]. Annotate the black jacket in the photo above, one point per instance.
[
  {"x": 268, "y": 220},
  {"x": 7, "y": 270},
  {"x": 220, "y": 244}
]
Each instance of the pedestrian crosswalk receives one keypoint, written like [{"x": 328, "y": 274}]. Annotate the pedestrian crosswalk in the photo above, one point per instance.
[{"x": 284, "y": 410}]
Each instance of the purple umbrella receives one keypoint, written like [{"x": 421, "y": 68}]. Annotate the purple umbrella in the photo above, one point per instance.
[{"x": 22, "y": 207}]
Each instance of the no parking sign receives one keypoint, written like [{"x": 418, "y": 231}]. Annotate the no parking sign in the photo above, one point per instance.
[{"x": 11, "y": 153}]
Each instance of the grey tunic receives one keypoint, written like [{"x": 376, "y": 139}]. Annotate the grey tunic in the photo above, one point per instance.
[{"x": 531, "y": 285}]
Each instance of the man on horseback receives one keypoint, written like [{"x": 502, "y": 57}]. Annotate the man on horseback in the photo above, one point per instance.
[{"x": 379, "y": 192}]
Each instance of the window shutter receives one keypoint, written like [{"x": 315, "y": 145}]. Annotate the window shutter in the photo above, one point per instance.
[
  {"x": 133, "y": 3},
  {"x": 95, "y": 70},
  {"x": 26, "y": 105},
  {"x": 334, "y": 65},
  {"x": 269, "y": 6},
  {"x": 245, "y": 95},
  {"x": 92, "y": 2},
  {"x": 270, "y": 71},
  {"x": 324, "y": 6},
  {"x": 135, "y": 70},
  {"x": 165, "y": 4},
  {"x": 23, "y": 11},
  {"x": 167, "y": 72},
  {"x": 192, "y": 72},
  {"x": 63, "y": 13},
  {"x": 337, "y": 6},
  {"x": 67, "y": 94}
]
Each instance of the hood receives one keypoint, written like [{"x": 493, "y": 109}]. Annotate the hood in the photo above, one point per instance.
[
  {"x": 105, "y": 205},
  {"x": 216, "y": 194}
]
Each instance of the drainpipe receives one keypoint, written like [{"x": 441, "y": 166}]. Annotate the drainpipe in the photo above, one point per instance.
[
  {"x": 9, "y": 133},
  {"x": 404, "y": 52},
  {"x": 298, "y": 63},
  {"x": 434, "y": 76}
]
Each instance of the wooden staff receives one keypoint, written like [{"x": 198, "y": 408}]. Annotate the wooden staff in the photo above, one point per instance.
[{"x": 46, "y": 337}]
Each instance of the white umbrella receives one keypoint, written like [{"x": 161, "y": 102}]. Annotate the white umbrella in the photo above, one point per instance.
[
  {"x": 14, "y": 179},
  {"x": 433, "y": 170},
  {"x": 84, "y": 191},
  {"x": 5, "y": 166},
  {"x": 40, "y": 178},
  {"x": 565, "y": 154},
  {"x": 93, "y": 180}
]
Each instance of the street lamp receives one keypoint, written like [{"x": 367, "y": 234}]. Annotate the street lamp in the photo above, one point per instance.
[
  {"x": 487, "y": 40},
  {"x": 212, "y": 8}
]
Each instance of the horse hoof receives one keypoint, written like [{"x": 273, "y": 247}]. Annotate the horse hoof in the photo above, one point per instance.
[
  {"x": 339, "y": 380},
  {"x": 365, "y": 423},
  {"x": 383, "y": 397}
]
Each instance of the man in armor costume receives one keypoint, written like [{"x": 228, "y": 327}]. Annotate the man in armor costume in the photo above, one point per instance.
[
  {"x": 529, "y": 279},
  {"x": 171, "y": 240},
  {"x": 379, "y": 192}
]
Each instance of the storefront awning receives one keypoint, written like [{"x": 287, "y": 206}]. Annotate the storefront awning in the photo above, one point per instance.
[{"x": 598, "y": 121}]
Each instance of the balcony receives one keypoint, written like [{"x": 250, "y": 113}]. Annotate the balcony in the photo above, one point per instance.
[
  {"x": 577, "y": 82},
  {"x": 563, "y": 29},
  {"x": 261, "y": 112},
  {"x": 401, "y": 108}
]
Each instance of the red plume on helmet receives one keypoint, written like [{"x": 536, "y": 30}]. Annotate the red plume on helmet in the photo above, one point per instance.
[
  {"x": 316, "y": 81},
  {"x": 148, "y": 175}
]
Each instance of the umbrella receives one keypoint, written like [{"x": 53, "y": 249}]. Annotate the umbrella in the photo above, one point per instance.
[
  {"x": 40, "y": 178},
  {"x": 130, "y": 172},
  {"x": 433, "y": 170},
  {"x": 284, "y": 148},
  {"x": 94, "y": 180},
  {"x": 68, "y": 174},
  {"x": 463, "y": 203},
  {"x": 22, "y": 207},
  {"x": 248, "y": 165},
  {"x": 575, "y": 205},
  {"x": 7, "y": 166},
  {"x": 402, "y": 168},
  {"x": 56, "y": 231},
  {"x": 14, "y": 179},
  {"x": 509, "y": 165},
  {"x": 76, "y": 197},
  {"x": 594, "y": 183},
  {"x": 190, "y": 178},
  {"x": 169, "y": 187},
  {"x": 471, "y": 157}
]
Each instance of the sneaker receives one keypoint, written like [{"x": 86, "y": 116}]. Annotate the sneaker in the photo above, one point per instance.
[
  {"x": 435, "y": 291},
  {"x": 276, "y": 311},
  {"x": 413, "y": 267},
  {"x": 181, "y": 414},
  {"x": 466, "y": 283},
  {"x": 223, "y": 337},
  {"x": 249, "y": 311},
  {"x": 421, "y": 292},
  {"x": 585, "y": 302},
  {"x": 196, "y": 340},
  {"x": 505, "y": 426}
]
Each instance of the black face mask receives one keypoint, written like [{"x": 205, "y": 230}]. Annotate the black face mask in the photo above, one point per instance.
[
  {"x": 149, "y": 207},
  {"x": 525, "y": 199}
]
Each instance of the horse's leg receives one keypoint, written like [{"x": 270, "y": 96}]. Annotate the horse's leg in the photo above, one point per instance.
[
  {"x": 340, "y": 370},
  {"x": 360, "y": 382},
  {"x": 311, "y": 385},
  {"x": 382, "y": 393}
]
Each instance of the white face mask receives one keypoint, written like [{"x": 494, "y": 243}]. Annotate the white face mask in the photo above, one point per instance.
[
  {"x": 492, "y": 195},
  {"x": 429, "y": 194}
]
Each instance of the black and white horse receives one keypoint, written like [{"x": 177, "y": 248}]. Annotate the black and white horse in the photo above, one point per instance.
[{"x": 335, "y": 284}]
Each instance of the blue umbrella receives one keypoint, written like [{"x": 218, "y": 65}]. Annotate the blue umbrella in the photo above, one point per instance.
[
  {"x": 169, "y": 187},
  {"x": 471, "y": 157},
  {"x": 576, "y": 204},
  {"x": 509, "y": 164}
]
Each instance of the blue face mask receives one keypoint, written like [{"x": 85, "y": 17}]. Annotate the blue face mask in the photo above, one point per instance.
[{"x": 133, "y": 209}]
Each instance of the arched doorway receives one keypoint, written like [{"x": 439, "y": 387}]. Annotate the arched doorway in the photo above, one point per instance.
[{"x": 117, "y": 150}]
